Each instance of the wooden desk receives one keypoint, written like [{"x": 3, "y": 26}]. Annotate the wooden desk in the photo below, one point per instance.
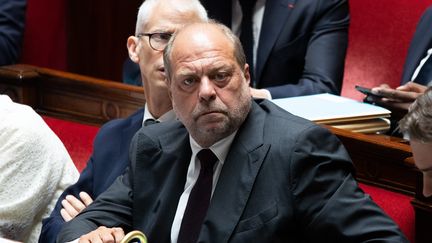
[{"x": 380, "y": 160}]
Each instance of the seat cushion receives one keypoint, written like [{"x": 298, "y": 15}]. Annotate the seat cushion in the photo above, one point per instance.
[{"x": 77, "y": 138}]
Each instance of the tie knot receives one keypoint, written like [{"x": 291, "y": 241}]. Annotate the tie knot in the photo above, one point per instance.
[
  {"x": 150, "y": 121},
  {"x": 207, "y": 159}
]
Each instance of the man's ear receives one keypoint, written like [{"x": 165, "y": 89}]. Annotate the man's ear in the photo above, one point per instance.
[
  {"x": 246, "y": 73},
  {"x": 133, "y": 48}
]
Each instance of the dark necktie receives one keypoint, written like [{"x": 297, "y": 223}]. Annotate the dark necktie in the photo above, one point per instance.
[
  {"x": 425, "y": 74},
  {"x": 150, "y": 121},
  {"x": 199, "y": 199},
  {"x": 246, "y": 35}
]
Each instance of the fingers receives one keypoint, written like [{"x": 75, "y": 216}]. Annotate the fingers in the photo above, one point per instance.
[
  {"x": 412, "y": 87},
  {"x": 72, "y": 206},
  {"x": 384, "y": 86},
  {"x": 65, "y": 215},
  {"x": 85, "y": 198},
  {"x": 395, "y": 95},
  {"x": 103, "y": 234}
]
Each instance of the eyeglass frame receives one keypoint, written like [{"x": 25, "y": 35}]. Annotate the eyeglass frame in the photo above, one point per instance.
[{"x": 150, "y": 35}]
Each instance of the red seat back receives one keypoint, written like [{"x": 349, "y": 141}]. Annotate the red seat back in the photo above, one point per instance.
[
  {"x": 45, "y": 34},
  {"x": 379, "y": 37},
  {"x": 397, "y": 206},
  {"x": 77, "y": 138}
]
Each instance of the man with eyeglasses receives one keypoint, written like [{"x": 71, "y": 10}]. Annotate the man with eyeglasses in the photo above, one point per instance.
[{"x": 157, "y": 21}]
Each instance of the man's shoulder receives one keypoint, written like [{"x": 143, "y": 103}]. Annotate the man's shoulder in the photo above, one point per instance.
[
  {"x": 164, "y": 129},
  {"x": 118, "y": 125},
  {"x": 278, "y": 115},
  {"x": 280, "y": 122}
]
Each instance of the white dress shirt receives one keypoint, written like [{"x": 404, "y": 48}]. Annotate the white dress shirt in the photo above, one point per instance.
[{"x": 220, "y": 149}]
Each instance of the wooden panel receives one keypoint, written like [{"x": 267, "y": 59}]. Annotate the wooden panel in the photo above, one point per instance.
[
  {"x": 381, "y": 160},
  {"x": 70, "y": 96}
]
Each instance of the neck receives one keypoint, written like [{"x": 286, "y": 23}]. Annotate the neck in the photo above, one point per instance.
[{"x": 157, "y": 106}]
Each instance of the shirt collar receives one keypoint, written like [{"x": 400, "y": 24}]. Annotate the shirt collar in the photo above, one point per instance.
[
  {"x": 220, "y": 148},
  {"x": 168, "y": 116}
]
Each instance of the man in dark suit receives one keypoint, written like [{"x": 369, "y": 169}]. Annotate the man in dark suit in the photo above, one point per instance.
[
  {"x": 299, "y": 46},
  {"x": 231, "y": 169},
  {"x": 417, "y": 72},
  {"x": 111, "y": 146},
  {"x": 12, "y": 18}
]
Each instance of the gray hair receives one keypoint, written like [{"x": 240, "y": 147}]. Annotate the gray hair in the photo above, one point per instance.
[
  {"x": 148, "y": 6},
  {"x": 238, "y": 49},
  {"x": 417, "y": 123}
]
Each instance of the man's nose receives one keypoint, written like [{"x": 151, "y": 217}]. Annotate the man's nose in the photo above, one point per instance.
[{"x": 207, "y": 90}]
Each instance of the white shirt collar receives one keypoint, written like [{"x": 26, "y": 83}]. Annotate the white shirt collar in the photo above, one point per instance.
[
  {"x": 220, "y": 148},
  {"x": 168, "y": 116}
]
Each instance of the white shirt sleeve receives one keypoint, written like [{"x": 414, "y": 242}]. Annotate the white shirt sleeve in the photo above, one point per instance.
[{"x": 35, "y": 168}]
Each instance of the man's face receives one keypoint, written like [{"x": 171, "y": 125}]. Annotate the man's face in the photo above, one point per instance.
[
  {"x": 423, "y": 160},
  {"x": 210, "y": 93},
  {"x": 162, "y": 20}
]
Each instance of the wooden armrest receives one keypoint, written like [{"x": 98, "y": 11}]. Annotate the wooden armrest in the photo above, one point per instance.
[
  {"x": 70, "y": 96},
  {"x": 381, "y": 160}
]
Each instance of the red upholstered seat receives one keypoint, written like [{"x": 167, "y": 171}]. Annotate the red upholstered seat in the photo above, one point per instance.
[
  {"x": 77, "y": 138},
  {"x": 397, "y": 206},
  {"x": 379, "y": 36}
]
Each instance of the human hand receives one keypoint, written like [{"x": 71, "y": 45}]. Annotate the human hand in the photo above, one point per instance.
[
  {"x": 260, "y": 93},
  {"x": 72, "y": 206},
  {"x": 400, "y": 98},
  {"x": 103, "y": 234}
]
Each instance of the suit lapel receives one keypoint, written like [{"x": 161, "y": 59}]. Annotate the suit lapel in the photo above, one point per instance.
[
  {"x": 275, "y": 16},
  {"x": 236, "y": 180},
  {"x": 421, "y": 47},
  {"x": 128, "y": 131},
  {"x": 173, "y": 172},
  {"x": 420, "y": 43}
]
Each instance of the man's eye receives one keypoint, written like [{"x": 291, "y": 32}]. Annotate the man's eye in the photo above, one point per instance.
[
  {"x": 220, "y": 77},
  {"x": 189, "y": 81},
  {"x": 162, "y": 36}
]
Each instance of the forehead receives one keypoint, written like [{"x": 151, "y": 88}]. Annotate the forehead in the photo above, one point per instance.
[
  {"x": 168, "y": 19},
  {"x": 199, "y": 43}
]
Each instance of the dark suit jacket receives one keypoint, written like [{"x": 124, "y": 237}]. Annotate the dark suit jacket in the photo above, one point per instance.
[
  {"x": 284, "y": 180},
  {"x": 108, "y": 161},
  {"x": 302, "y": 44},
  {"x": 420, "y": 43},
  {"x": 12, "y": 18}
]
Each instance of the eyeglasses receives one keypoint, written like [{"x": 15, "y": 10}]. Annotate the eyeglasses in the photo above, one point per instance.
[{"x": 157, "y": 41}]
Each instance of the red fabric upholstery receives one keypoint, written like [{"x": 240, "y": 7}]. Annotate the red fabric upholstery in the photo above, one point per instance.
[
  {"x": 379, "y": 37},
  {"x": 77, "y": 138},
  {"x": 397, "y": 206},
  {"x": 45, "y": 34}
]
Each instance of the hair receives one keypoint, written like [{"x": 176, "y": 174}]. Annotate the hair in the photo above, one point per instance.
[
  {"x": 417, "y": 123},
  {"x": 235, "y": 41},
  {"x": 147, "y": 7}
]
